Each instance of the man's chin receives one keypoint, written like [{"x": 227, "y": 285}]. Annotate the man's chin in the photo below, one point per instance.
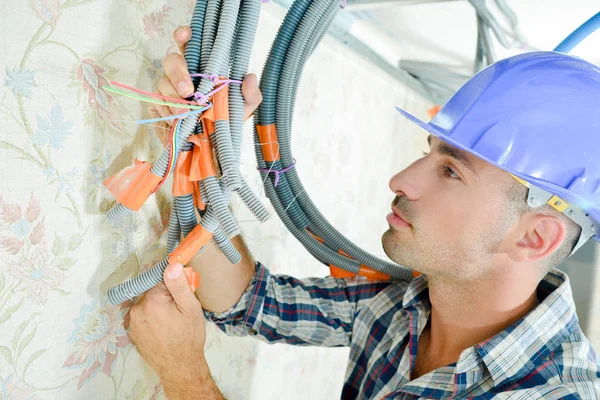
[
  {"x": 396, "y": 250},
  {"x": 390, "y": 245},
  {"x": 393, "y": 238}
]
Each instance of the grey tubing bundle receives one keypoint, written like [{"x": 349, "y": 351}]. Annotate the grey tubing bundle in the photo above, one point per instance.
[
  {"x": 174, "y": 231},
  {"x": 223, "y": 33},
  {"x": 222, "y": 137},
  {"x": 301, "y": 31}
]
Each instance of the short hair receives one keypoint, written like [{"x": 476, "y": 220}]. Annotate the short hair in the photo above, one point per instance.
[{"x": 517, "y": 196}]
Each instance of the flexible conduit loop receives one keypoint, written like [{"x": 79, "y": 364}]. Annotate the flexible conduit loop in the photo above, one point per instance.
[{"x": 301, "y": 31}]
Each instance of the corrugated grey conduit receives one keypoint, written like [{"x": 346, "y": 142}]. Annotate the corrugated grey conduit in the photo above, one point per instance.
[
  {"x": 211, "y": 49},
  {"x": 239, "y": 66},
  {"x": 174, "y": 231}
]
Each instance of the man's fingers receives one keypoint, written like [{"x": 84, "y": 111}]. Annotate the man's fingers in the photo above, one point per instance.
[
  {"x": 162, "y": 133},
  {"x": 182, "y": 35},
  {"x": 178, "y": 286},
  {"x": 165, "y": 87},
  {"x": 177, "y": 72},
  {"x": 252, "y": 95},
  {"x": 136, "y": 317},
  {"x": 158, "y": 294},
  {"x": 162, "y": 111},
  {"x": 135, "y": 314}
]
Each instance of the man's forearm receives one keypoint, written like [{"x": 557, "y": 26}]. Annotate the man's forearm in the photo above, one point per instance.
[
  {"x": 197, "y": 384},
  {"x": 222, "y": 283}
]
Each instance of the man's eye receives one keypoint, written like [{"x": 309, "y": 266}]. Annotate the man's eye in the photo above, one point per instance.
[{"x": 450, "y": 173}]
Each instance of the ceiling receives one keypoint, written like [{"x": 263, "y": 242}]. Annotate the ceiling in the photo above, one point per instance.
[
  {"x": 446, "y": 31},
  {"x": 389, "y": 33}
]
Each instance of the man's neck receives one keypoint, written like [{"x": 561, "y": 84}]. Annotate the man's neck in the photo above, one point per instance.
[{"x": 466, "y": 313}]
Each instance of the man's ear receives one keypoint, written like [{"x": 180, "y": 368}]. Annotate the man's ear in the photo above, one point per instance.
[{"x": 538, "y": 237}]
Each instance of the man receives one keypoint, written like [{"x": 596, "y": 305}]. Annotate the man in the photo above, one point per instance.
[{"x": 482, "y": 216}]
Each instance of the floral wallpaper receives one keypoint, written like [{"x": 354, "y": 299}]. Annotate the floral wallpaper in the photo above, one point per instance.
[{"x": 63, "y": 135}]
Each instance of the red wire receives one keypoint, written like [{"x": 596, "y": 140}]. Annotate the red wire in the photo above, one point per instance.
[
  {"x": 170, "y": 160},
  {"x": 172, "y": 99}
]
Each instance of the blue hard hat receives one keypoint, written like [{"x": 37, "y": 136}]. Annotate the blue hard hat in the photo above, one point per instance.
[{"x": 536, "y": 116}]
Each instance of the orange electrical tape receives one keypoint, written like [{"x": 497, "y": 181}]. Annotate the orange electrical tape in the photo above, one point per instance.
[
  {"x": 195, "y": 138},
  {"x": 196, "y": 167},
  {"x": 221, "y": 104},
  {"x": 365, "y": 271},
  {"x": 368, "y": 272},
  {"x": 208, "y": 114},
  {"x": 267, "y": 135},
  {"x": 207, "y": 163},
  {"x": 337, "y": 272},
  {"x": 182, "y": 185},
  {"x": 133, "y": 185},
  {"x": 315, "y": 236},
  {"x": 208, "y": 126},
  {"x": 193, "y": 242},
  {"x": 372, "y": 275}
]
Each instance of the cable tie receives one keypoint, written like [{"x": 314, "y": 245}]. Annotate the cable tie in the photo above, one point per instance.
[
  {"x": 200, "y": 97},
  {"x": 277, "y": 172}
]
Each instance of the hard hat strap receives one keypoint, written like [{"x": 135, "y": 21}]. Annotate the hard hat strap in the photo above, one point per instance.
[{"x": 537, "y": 197}]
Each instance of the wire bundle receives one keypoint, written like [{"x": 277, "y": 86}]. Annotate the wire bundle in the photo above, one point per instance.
[
  {"x": 217, "y": 55},
  {"x": 222, "y": 36}
]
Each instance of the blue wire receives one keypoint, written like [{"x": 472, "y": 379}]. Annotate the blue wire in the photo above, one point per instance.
[
  {"x": 586, "y": 29},
  {"x": 195, "y": 112},
  {"x": 175, "y": 149}
]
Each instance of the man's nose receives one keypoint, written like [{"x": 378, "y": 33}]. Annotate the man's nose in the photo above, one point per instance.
[{"x": 410, "y": 181}]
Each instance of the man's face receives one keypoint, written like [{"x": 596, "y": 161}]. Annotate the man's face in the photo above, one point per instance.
[{"x": 454, "y": 209}]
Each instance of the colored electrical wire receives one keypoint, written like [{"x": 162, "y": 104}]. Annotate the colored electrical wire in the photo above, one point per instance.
[
  {"x": 200, "y": 97},
  {"x": 171, "y": 99},
  {"x": 175, "y": 147},
  {"x": 175, "y": 116},
  {"x": 170, "y": 165},
  {"x": 149, "y": 100},
  {"x": 217, "y": 81}
]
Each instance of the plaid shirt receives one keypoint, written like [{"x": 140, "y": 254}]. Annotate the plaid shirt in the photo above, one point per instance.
[{"x": 545, "y": 355}]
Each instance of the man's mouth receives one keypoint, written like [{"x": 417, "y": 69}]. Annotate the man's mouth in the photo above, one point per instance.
[{"x": 395, "y": 219}]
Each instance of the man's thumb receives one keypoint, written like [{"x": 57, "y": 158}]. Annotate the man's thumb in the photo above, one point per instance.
[{"x": 177, "y": 280}]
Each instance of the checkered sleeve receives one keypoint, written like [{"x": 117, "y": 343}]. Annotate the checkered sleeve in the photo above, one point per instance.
[{"x": 310, "y": 311}]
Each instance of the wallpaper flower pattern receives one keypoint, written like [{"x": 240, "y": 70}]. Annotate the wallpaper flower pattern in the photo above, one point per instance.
[{"x": 63, "y": 135}]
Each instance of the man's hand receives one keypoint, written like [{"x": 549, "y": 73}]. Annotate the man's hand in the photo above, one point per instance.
[
  {"x": 178, "y": 84},
  {"x": 169, "y": 330}
]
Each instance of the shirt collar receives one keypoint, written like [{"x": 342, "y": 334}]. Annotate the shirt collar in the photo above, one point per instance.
[
  {"x": 518, "y": 349},
  {"x": 416, "y": 292}
]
